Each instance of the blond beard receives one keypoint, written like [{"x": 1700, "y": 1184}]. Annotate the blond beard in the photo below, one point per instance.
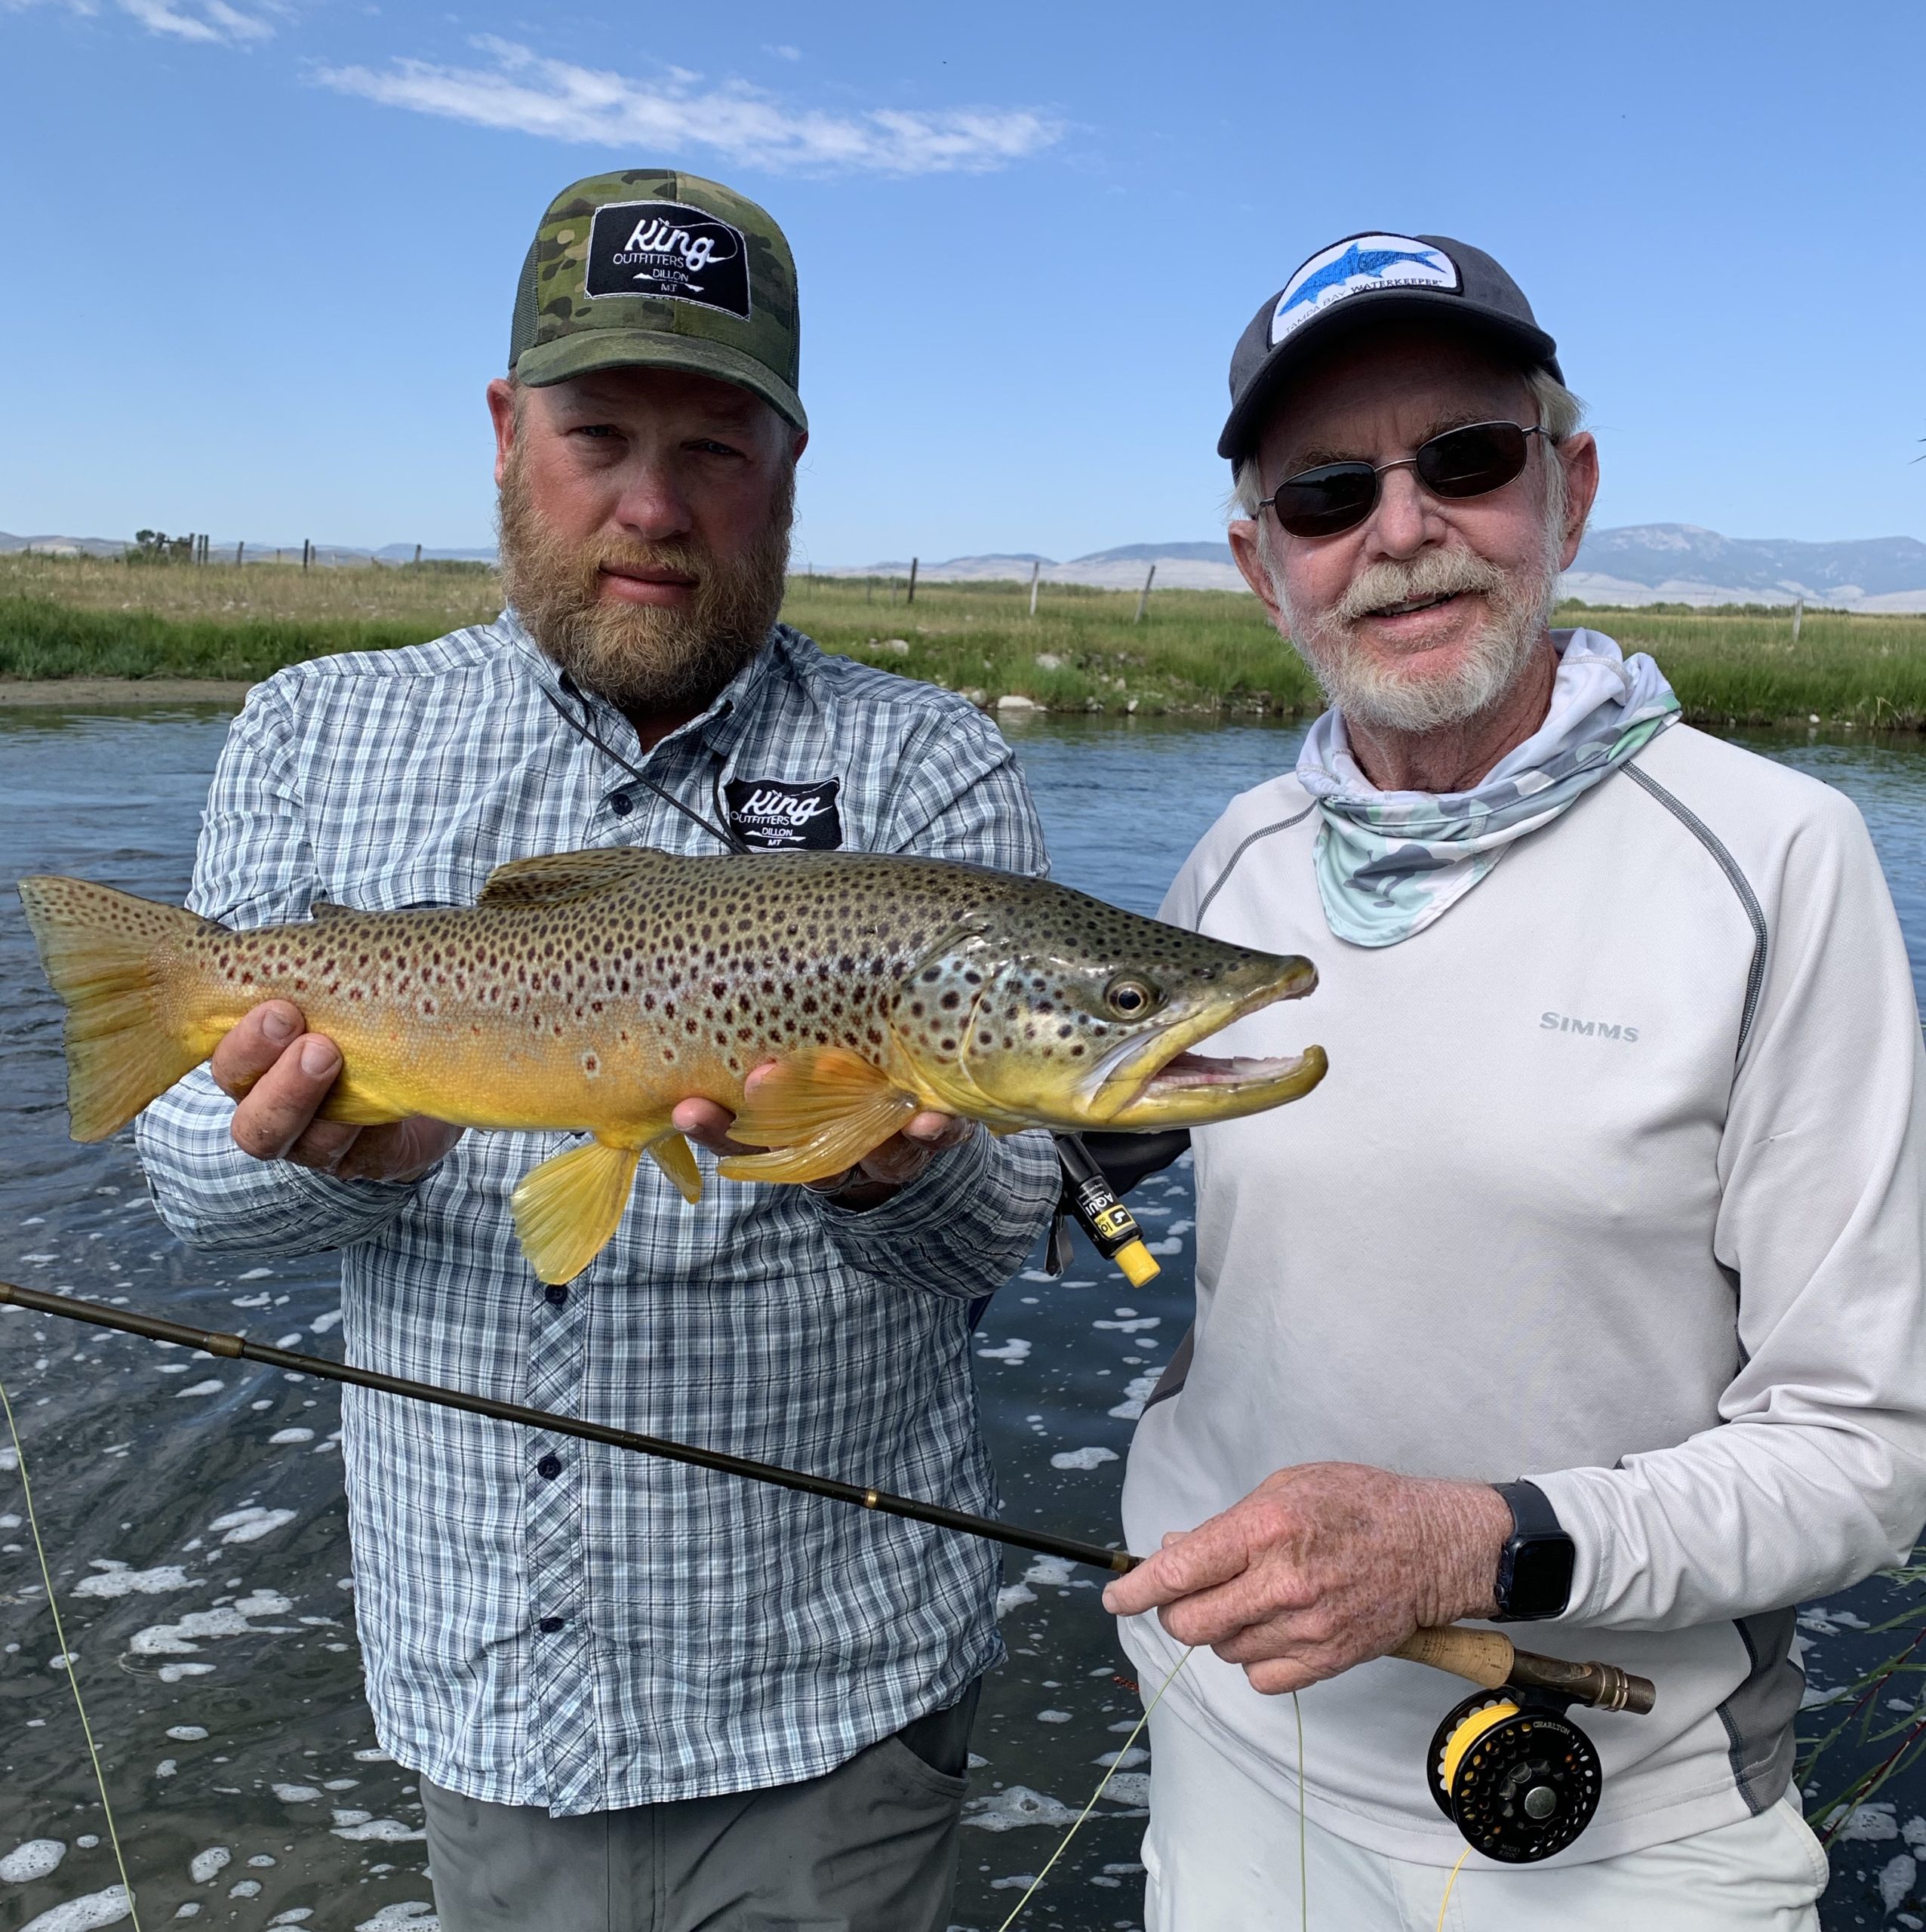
[
  {"x": 1384, "y": 695},
  {"x": 645, "y": 659}
]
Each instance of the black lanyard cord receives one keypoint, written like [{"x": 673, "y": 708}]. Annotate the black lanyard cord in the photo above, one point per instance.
[{"x": 581, "y": 727}]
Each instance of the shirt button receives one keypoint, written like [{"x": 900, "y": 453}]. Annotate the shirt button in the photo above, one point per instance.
[
  {"x": 548, "y": 1625},
  {"x": 556, "y": 1293},
  {"x": 550, "y": 1466},
  {"x": 621, "y": 804}
]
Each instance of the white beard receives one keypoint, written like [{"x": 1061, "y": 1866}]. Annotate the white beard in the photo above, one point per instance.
[{"x": 1385, "y": 695}]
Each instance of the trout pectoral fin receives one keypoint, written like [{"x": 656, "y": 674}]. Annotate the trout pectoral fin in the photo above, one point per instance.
[
  {"x": 817, "y": 1113},
  {"x": 672, "y": 1154},
  {"x": 358, "y": 1103},
  {"x": 567, "y": 1210}
]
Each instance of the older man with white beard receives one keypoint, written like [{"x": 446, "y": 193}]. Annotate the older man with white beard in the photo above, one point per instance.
[
  {"x": 637, "y": 1695},
  {"x": 1587, "y": 1289}
]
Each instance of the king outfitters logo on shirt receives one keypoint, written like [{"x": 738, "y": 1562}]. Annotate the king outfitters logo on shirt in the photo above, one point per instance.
[
  {"x": 666, "y": 248},
  {"x": 774, "y": 815}
]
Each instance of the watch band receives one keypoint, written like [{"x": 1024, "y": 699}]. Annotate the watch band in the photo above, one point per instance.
[{"x": 1535, "y": 1566}]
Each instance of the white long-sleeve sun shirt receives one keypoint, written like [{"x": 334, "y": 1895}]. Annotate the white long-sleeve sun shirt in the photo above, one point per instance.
[{"x": 1615, "y": 1183}]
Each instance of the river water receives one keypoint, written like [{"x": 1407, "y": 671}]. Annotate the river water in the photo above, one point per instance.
[{"x": 192, "y": 1507}]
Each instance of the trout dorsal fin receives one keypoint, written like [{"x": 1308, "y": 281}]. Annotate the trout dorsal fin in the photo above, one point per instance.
[
  {"x": 567, "y": 874},
  {"x": 328, "y": 908}
]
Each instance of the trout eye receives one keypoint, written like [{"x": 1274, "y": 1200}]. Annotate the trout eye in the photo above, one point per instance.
[{"x": 1131, "y": 998}]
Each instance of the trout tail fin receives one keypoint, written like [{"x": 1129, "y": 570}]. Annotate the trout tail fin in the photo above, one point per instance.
[{"x": 106, "y": 953}]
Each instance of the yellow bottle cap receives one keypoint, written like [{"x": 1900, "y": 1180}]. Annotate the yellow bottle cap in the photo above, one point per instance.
[{"x": 1138, "y": 1264}]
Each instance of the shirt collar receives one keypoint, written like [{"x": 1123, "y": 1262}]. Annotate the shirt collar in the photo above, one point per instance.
[{"x": 718, "y": 727}]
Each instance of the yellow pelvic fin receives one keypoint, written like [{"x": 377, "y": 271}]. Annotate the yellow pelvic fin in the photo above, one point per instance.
[
  {"x": 567, "y": 874},
  {"x": 818, "y": 1112},
  {"x": 672, "y": 1154},
  {"x": 105, "y": 953},
  {"x": 567, "y": 1210}
]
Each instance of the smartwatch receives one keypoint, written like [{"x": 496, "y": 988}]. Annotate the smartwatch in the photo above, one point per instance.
[{"x": 1535, "y": 1567}]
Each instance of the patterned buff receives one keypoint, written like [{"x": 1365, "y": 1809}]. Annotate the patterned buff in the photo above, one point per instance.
[{"x": 1390, "y": 862}]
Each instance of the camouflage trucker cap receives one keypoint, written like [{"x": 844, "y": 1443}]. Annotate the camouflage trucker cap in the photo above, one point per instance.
[{"x": 653, "y": 267}]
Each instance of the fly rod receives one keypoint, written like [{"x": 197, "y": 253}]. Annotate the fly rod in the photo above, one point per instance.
[
  {"x": 1475, "y": 1654},
  {"x": 1037, "y": 1541}
]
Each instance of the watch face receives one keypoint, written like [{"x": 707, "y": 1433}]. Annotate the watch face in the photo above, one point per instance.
[{"x": 1538, "y": 1582}]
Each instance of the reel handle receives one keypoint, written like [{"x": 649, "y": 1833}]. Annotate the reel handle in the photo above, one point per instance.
[{"x": 1489, "y": 1658}]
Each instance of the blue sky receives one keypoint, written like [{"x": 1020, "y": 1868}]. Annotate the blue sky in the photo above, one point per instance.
[{"x": 261, "y": 252}]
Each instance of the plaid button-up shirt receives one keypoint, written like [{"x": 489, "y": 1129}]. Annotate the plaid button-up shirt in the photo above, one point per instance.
[{"x": 626, "y": 1630}]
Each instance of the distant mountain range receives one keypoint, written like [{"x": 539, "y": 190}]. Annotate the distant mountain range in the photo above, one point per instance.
[{"x": 1645, "y": 563}]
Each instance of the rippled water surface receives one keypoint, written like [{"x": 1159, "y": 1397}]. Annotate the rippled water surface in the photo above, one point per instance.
[{"x": 192, "y": 1507}]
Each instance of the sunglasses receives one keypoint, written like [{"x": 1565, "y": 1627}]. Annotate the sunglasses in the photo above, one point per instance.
[{"x": 1472, "y": 461}]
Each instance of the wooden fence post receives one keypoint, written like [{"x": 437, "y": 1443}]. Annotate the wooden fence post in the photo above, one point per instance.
[
  {"x": 1143, "y": 595},
  {"x": 1036, "y": 569},
  {"x": 1798, "y": 617},
  {"x": 912, "y": 597},
  {"x": 417, "y": 553},
  {"x": 240, "y": 551},
  {"x": 307, "y": 551}
]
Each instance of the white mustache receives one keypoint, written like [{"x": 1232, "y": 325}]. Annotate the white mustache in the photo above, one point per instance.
[{"x": 1434, "y": 574}]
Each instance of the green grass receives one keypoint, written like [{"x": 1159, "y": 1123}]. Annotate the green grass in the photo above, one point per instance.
[{"x": 1199, "y": 652}]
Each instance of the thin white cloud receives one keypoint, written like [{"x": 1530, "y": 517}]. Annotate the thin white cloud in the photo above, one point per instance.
[
  {"x": 207, "y": 20},
  {"x": 531, "y": 95},
  {"x": 783, "y": 52}
]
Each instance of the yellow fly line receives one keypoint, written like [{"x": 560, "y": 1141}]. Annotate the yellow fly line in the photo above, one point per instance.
[{"x": 67, "y": 1657}]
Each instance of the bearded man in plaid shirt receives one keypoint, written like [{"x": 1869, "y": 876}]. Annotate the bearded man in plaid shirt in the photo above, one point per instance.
[{"x": 639, "y": 1695}]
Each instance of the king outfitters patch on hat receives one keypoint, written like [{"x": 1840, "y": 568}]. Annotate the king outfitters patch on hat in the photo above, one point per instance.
[
  {"x": 655, "y": 269},
  {"x": 1361, "y": 266}
]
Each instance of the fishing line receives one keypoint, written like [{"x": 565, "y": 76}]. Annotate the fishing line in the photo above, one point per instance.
[
  {"x": 1303, "y": 1870},
  {"x": 67, "y": 1656},
  {"x": 1446, "y": 1900},
  {"x": 1109, "y": 1773}
]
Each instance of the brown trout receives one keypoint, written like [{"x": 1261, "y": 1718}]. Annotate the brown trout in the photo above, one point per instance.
[{"x": 591, "y": 991}]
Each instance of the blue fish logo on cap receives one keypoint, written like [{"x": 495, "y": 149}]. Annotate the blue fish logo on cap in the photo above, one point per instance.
[{"x": 1356, "y": 266}]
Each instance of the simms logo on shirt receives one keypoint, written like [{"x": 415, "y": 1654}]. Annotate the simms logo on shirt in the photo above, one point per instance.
[
  {"x": 1597, "y": 1029},
  {"x": 1355, "y": 267},
  {"x": 664, "y": 248},
  {"x": 772, "y": 815}
]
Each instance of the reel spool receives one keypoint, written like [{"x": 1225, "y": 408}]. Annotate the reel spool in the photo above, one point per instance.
[{"x": 1514, "y": 1774}]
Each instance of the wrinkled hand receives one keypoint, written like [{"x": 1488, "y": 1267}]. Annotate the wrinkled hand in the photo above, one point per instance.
[
  {"x": 873, "y": 1179},
  {"x": 280, "y": 1074},
  {"x": 1322, "y": 1566}
]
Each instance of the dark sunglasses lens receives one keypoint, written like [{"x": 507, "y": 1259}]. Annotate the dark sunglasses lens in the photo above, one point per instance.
[
  {"x": 1320, "y": 502},
  {"x": 1470, "y": 461}
]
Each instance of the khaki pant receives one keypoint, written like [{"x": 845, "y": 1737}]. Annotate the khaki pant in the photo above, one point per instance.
[
  {"x": 1221, "y": 1855},
  {"x": 869, "y": 1847}
]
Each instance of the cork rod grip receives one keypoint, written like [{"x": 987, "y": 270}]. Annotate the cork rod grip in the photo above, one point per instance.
[
  {"x": 1488, "y": 1657},
  {"x": 1484, "y": 1656}
]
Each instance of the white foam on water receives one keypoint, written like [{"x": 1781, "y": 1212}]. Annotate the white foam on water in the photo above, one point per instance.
[
  {"x": 1865, "y": 1824},
  {"x": 36, "y": 1858},
  {"x": 1015, "y": 1350},
  {"x": 322, "y": 1323},
  {"x": 1052, "y": 1572},
  {"x": 374, "y": 1755},
  {"x": 1053, "y": 1717},
  {"x": 172, "y": 1673},
  {"x": 380, "y": 1831},
  {"x": 295, "y": 1794},
  {"x": 255, "y": 1274},
  {"x": 1012, "y": 1596},
  {"x": 1015, "y": 1806},
  {"x": 1136, "y": 1392},
  {"x": 116, "y": 1580},
  {"x": 251, "y": 1301},
  {"x": 282, "y": 1437},
  {"x": 212, "y": 1386},
  {"x": 1131, "y": 1788},
  {"x": 248, "y": 1888},
  {"x": 295, "y": 1914},
  {"x": 1121, "y": 1761},
  {"x": 205, "y": 1867},
  {"x": 413, "y": 1915},
  {"x": 97, "y": 1909},
  {"x": 190, "y": 1909},
  {"x": 166, "y": 1768},
  {"x": 187, "y": 1733},
  {"x": 1093, "y": 1458},
  {"x": 1895, "y": 1879},
  {"x": 250, "y": 1525}
]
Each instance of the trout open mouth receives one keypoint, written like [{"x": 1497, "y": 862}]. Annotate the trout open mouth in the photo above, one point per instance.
[{"x": 1163, "y": 1084}]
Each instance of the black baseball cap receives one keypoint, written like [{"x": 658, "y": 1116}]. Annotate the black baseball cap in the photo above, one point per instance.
[{"x": 1363, "y": 278}]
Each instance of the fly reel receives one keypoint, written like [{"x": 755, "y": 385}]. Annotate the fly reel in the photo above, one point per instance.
[
  {"x": 1508, "y": 1766},
  {"x": 1514, "y": 1774}
]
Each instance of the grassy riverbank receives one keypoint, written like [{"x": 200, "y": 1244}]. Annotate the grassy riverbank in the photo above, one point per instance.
[{"x": 1200, "y": 652}]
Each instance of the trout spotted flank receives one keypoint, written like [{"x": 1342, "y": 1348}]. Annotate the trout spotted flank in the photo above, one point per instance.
[{"x": 591, "y": 991}]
